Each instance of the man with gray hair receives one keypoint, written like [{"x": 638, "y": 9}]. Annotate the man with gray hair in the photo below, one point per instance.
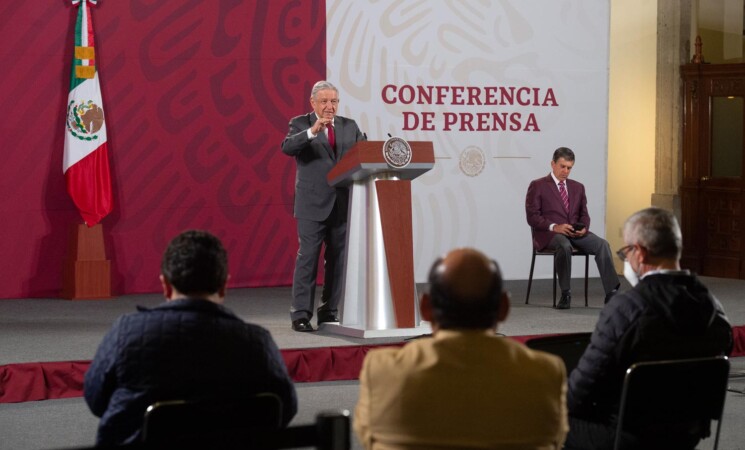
[
  {"x": 669, "y": 314},
  {"x": 317, "y": 141}
]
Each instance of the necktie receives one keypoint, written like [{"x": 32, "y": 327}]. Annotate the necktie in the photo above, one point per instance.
[
  {"x": 332, "y": 138},
  {"x": 564, "y": 196}
]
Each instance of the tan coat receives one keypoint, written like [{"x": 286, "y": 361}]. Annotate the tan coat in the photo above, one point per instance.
[{"x": 462, "y": 389}]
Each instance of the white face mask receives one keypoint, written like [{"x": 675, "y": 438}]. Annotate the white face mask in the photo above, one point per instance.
[{"x": 629, "y": 274}]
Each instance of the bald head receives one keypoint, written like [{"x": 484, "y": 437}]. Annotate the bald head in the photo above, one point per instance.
[
  {"x": 467, "y": 273},
  {"x": 465, "y": 290}
]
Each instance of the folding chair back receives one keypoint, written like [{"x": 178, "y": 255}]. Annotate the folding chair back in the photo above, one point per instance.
[
  {"x": 211, "y": 421},
  {"x": 568, "y": 347},
  {"x": 670, "y": 404}
]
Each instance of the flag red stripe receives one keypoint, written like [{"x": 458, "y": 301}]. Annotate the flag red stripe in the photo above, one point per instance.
[{"x": 89, "y": 185}]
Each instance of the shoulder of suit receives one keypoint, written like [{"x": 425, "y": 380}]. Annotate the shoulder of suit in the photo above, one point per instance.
[
  {"x": 527, "y": 357},
  {"x": 304, "y": 118},
  {"x": 383, "y": 356},
  {"x": 541, "y": 180},
  {"x": 343, "y": 119}
]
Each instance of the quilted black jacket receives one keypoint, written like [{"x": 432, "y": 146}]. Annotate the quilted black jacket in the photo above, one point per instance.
[
  {"x": 183, "y": 349},
  {"x": 666, "y": 316}
]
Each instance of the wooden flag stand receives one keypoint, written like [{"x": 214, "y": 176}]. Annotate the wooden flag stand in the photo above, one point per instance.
[{"x": 87, "y": 272}]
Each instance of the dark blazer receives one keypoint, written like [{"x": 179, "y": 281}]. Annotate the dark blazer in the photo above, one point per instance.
[
  {"x": 543, "y": 206},
  {"x": 314, "y": 198}
]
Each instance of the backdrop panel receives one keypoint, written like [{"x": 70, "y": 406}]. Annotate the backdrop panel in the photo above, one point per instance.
[
  {"x": 197, "y": 96},
  {"x": 497, "y": 86}
]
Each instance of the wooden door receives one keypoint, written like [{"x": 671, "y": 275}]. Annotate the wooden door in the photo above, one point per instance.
[{"x": 713, "y": 187}]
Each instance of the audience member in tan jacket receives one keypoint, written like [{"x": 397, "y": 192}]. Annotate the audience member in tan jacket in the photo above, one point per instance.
[{"x": 465, "y": 387}]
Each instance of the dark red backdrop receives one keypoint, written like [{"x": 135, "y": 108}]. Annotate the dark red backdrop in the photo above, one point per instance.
[{"x": 197, "y": 97}]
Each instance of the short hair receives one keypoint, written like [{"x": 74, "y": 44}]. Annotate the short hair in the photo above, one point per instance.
[
  {"x": 451, "y": 310},
  {"x": 322, "y": 86},
  {"x": 195, "y": 262},
  {"x": 656, "y": 230},
  {"x": 563, "y": 152}
]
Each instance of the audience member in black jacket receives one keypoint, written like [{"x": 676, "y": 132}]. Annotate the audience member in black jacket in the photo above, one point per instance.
[
  {"x": 669, "y": 314},
  {"x": 190, "y": 347}
]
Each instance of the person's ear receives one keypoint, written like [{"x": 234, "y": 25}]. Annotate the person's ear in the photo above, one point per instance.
[
  {"x": 221, "y": 292},
  {"x": 167, "y": 288},
  {"x": 643, "y": 254},
  {"x": 425, "y": 307},
  {"x": 504, "y": 307}
]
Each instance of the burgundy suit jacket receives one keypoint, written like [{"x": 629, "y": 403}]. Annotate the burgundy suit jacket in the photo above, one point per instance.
[{"x": 543, "y": 206}]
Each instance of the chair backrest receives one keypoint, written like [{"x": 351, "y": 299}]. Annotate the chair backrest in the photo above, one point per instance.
[
  {"x": 253, "y": 423},
  {"x": 568, "y": 347},
  {"x": 670, "y": 404},
  {"x": 208, "y": 420},
  {"x": 331, "y": 431}
]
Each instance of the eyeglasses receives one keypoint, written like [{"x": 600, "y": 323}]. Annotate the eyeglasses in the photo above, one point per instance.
[{"x": 623, "y": 251}]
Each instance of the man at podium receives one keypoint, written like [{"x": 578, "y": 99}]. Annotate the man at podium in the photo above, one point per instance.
[{"x": 318, "y": 140}]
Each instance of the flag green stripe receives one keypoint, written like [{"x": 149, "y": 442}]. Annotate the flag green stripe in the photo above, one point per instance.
[{"x": 75, "y": 81}]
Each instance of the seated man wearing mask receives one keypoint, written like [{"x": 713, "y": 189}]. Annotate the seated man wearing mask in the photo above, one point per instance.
[{"x": 669, "y": 314}]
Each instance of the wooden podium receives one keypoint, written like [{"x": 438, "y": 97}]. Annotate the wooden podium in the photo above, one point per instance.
[{"x": 379, "y": 295}]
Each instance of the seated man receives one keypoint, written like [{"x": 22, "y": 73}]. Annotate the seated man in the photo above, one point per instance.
[
  {"x": 190, "y": 347},
  {"x": 556, "y": 209},
  {"x": 669, "y": 314},
  {"x": 465, "y": 387}
]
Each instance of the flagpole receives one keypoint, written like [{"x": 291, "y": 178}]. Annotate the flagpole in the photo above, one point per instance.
[{"x": 86, "y": 272}]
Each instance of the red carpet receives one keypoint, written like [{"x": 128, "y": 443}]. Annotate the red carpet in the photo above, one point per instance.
[{"x": 51, "y": 380}]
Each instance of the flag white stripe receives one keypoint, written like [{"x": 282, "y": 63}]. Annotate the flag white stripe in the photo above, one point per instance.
[{"x": 77, "y": 149}]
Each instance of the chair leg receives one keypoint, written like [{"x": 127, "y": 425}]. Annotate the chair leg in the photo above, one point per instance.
[
  {"x": 530, "y": 277},
  {"x": 554, "y": 282},
  {"x": 587, "y": 271}
]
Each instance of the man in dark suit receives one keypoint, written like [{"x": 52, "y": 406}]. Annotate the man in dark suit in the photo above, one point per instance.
[
  {"x": 318, "y": 140},
  {"x": 556, "y": 209}
]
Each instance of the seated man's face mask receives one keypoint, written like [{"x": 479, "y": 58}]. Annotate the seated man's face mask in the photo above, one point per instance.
[{"x": 628, "y": 272}]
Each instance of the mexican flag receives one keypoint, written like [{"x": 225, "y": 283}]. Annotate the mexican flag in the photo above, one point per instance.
[{"x": 86, "y": 159}]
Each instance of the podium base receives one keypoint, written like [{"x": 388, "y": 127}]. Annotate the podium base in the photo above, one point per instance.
[{"x": 346, "y": 330}]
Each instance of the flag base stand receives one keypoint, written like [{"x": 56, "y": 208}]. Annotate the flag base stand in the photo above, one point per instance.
[{"x": 87, "y": 272}]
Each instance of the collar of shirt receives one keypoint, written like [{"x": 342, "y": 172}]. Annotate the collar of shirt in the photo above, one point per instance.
[
  {"x": 556, "y": 182},
  {"x": 665, "y": 272}
]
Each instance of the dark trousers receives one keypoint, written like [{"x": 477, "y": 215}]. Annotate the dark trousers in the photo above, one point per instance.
[
  {"x": 585, "y": 435},
  {"x": 590, "y": 244},
  {"x": 312, "y": 235}
]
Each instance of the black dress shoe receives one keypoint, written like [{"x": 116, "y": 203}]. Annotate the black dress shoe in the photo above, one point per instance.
[
  {"x": 610, "y": 295},
  {"x": 564, "y": 301},
  {"x": 302, "y": 325}
]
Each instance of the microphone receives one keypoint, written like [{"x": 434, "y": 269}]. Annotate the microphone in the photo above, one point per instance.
[
  {"x": 364, "y": 135},
  {"x": 389, "y": 135}
]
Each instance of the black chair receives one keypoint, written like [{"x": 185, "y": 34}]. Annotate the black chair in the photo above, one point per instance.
[
  {"x": 670, "y": 404},
  {"x": 227, "y": 420},
  {"x": 569, "y": 347},
  {"x": 331, "y": 431},
  {"x": 575, "y": 252},
  {"x": 253, "y": 423}
]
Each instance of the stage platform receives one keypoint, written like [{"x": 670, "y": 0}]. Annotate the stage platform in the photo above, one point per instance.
[
  {"x": 39, "y": 333},
  {"x": 46, "y": 344}
]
